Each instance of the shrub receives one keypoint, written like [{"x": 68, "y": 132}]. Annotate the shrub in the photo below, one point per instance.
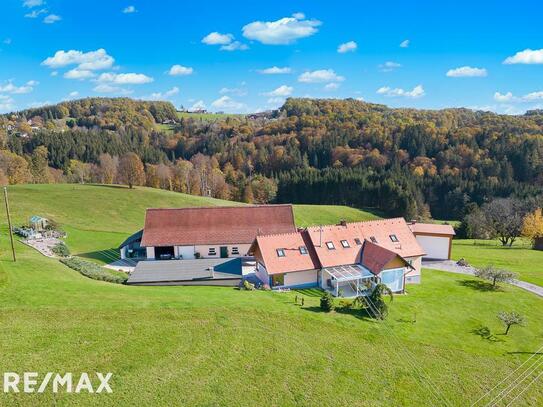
[
  {"x": 92, "y": 270},
  {"x": 345, "y": 304},
  {"x": 61, "y": 250},
  {"x": 246, "y": 285},
  {"x": 327, "y": 302}
]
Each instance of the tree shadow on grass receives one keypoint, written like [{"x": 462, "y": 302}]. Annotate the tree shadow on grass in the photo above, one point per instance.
[
  {"x": 484, "y": 333},
  {"x": 479, "y": 285},
  {"x": 359, "y": 313}
]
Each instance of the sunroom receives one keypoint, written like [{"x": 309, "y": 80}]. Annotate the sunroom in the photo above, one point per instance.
[{"x": 348, "y": 281}]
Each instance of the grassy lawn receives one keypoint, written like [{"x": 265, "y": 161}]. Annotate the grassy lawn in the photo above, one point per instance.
[
  {"x": 207, "y": 116},
  {"x": 220, "y": 346},
  {"x": 520, "y": 258},
  {"x": 309, "y": 215}
]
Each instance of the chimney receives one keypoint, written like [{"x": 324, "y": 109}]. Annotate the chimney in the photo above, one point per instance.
[
  {"x": 413, "y": 221},
  {"x": 342, "y": 222}
]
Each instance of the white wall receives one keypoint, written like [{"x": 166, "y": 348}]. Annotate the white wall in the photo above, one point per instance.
[
  {"x": 123, "y": 252},
  {"x": 185, "y": 252},
  {"x": 435, "y": 247},
  {"x": 413, "y": 276},
  {"x": 150, "y": 253},
  {"x": 204, "y": 250},
  {"x": 301, "y": 277}
]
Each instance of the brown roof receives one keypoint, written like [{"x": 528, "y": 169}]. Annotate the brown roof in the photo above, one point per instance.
[
  {"x": 432, "y": 229},
  {"x": 293, "y": 260},
  {"x": 375, "y": 257},
  {"x": 215, "y": 225}
]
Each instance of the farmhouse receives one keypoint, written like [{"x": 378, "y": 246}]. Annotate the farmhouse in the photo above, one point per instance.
[
  {"x": 345, "y": 259},
  {"x": 435, "y": 240}
]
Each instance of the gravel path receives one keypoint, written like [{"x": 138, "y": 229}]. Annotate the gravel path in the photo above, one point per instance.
[{"x": 452, "y": 267}]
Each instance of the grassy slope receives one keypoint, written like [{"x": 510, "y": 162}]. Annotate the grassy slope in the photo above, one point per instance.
[
  {"x": 520, "y": 258},
  {"x": 189, "y": 344}
]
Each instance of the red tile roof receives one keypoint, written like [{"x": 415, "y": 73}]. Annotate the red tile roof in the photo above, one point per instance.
[
  {"x": 293, "y": 260},
  {"x": 215, "y": 225},
  {"x": 431, "y": 229},
  {"x": 375, "y": 257}
]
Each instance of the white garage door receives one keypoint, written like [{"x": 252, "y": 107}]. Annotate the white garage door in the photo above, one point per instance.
[{"x": 435, "y": 247}]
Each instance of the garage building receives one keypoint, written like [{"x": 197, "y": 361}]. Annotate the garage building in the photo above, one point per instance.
[{"x": 436, "y": 240}]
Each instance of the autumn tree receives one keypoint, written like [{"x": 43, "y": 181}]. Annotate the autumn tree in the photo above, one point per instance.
[
  {"x": 131, "y": 170},
  {"x": 108, "y": 168},
  {"x": 264, "y": 189},
  {"x": 532, "y": 226},
  {"x": 14, "y": 167}
]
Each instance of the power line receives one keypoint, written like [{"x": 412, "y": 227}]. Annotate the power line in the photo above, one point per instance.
[
  {"x": 508, "y": 376},
  {"x": 526, "y": 388}
]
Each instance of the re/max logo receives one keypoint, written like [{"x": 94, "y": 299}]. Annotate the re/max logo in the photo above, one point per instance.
[{"x": 29, "y": 383}]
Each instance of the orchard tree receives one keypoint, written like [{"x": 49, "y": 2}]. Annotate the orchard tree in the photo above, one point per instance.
[
  {"x": 509, "y": 319},
  {"x": 495, "y": 275},
  {"x": 131, "y": 170}
]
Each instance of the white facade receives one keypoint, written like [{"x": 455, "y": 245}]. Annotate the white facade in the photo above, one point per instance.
[
  {"x": 299, "y": 278},
  {"x": 414, "y": 276},
  {"x": 150, "y": 253},
  {"x": 205, "y": 251},
  {"x": 435, "y": 247},
  {"x": 184, "y": 252}
]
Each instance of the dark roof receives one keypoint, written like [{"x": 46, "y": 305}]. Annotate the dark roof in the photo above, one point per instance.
[
  {"x": 375, "y": 257},
  {"x": 167, "y": 271},
  {"x": 215, "y": 225},
  {"x": 131, "y": 239}
]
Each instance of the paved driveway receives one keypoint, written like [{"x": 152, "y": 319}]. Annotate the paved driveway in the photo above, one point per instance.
[{"x": 452, "y": 267}]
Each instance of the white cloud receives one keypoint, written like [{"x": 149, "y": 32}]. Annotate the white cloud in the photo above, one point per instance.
[
  {"x": 283, "y": 31},
  {"x": 389, "y": 66},
  {"x": 36, "y": 13},
  {"x": 39, "y": 104},
  {"x": 199, "y": 105},
  {"x": 80, "y": 74},
  {"x": 416, "y": 92},
  {"x": 54, "y": 73},
  {"x": 105, "y": 88},
  {"x": 32, "y": 83},
  {"x": 164, "y": 95},
  {"x": 124, "y": 78},
  {"x": 51, "y": 19},
  {"x": 73, "y": 94},
  {"x": 234, "y": 46},
  {"x": 233, "y": 91},
  {"x": 404, "y": 44},
  {"x": 350, "y": 46},
  {"x": 282, "y": 90},
  {"x": 18, "y": 90},
  {"x": 533, "y": 96},
  {"x": 92, "y": 60},
  {"x": 216, "y": 38},
  {"x": 274, "y": 70},
  {"x": 528, "y": 56},
  {"x": 507, "y": 97},
  {"x": 331, "y": 86},
  {"x": 466, "y": 71},
  {"x": 227, "y": 104},
  {"x": 129, "y": 10},
  {"x": 180, "y": 70},
  {"x": 276, "y": 101},
  {"x": 320, "y": 76},
  {"x": 7, "y": 104},
  {"x": 33, "y": 3}
]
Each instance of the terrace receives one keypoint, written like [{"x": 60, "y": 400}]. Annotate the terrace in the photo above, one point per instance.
[{"x": 348, "y": 281}]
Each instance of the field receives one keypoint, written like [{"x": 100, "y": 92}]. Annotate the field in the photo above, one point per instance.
[
  {"x": 220, "y": 346},
  {"x": 520, "y": 258}
]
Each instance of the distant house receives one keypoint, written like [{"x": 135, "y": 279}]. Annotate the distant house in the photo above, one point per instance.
[
  {"x": 436, "y": 240},
  {"x": 346, "y": 259}
]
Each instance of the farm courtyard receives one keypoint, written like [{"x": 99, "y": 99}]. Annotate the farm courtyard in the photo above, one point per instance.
[{"x": 441, "y": 344}]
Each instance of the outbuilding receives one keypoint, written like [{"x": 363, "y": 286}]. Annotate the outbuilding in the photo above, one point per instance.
[{"x": 435, "y": 239}]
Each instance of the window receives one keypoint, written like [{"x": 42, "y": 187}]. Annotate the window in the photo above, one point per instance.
[
  {"x": 330, "y": 245},
  {"x": 280, "y": 252},
  {"x": 373, "y": 239},
  {"x": 303, "y": 250},
  {"x": 357, "y": 241},
  {"x": 278, "y": 279},
  {"x": 211, "y": 252},
  {"x": 235, "y": 250},
  {"x": 345, "y": 244},
  {"x": 394, "y": 238}
]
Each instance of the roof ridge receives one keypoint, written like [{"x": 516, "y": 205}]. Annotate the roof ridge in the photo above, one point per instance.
[
  {"x": 296, "y": 232},
  {"x": 357, "y": 223},
  {"x": 221, "y": 207}
]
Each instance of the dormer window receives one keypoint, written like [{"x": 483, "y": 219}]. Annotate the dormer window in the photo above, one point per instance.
[
  {"x": 394, "y": 238},
  {"x": 330, "y": 246},
  {"x": 280, "y": 252},
  {"x": 345, "y": 244},
  {"x": 357, "y": 241},
  {"x": 303, "y": 250},
  {"x": 373, "y": 239}
]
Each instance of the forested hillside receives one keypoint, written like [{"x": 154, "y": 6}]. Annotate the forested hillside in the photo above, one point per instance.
[{"x": 403, "y": 161}]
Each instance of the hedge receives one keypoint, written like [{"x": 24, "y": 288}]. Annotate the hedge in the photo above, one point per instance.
[{"x": 92, "y": 270}]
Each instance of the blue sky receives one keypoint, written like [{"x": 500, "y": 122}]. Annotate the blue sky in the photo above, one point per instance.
[{"x": 424, "y": 54}]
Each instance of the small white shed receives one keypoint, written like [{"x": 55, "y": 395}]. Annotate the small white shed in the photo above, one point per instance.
[{"x": 435, "y": 240}]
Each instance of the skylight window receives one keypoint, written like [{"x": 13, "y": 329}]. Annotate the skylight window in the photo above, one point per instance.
[
  {"x": 330, "y": 246},
  {"x": 345, "y": 244},
  {"x": 357, "y": 241},
  {"x": 303, "y": 250},
  {"x": 394, "y": 238},
  {"x": 280, "y": 252},
  {"x": 373, "y": 239}
]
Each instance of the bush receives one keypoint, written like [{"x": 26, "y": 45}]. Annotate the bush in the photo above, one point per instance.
[
  {"x": 327, "y": 302},
  {"x": 61, "y": 250},
  {"x": 92, "y": 270},
  {"x": 246, "y": 285},
  {"x": 345, "y": 304}
]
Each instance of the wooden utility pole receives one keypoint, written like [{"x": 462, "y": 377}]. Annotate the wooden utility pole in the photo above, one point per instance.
[{"x": 9, "y": 223}]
